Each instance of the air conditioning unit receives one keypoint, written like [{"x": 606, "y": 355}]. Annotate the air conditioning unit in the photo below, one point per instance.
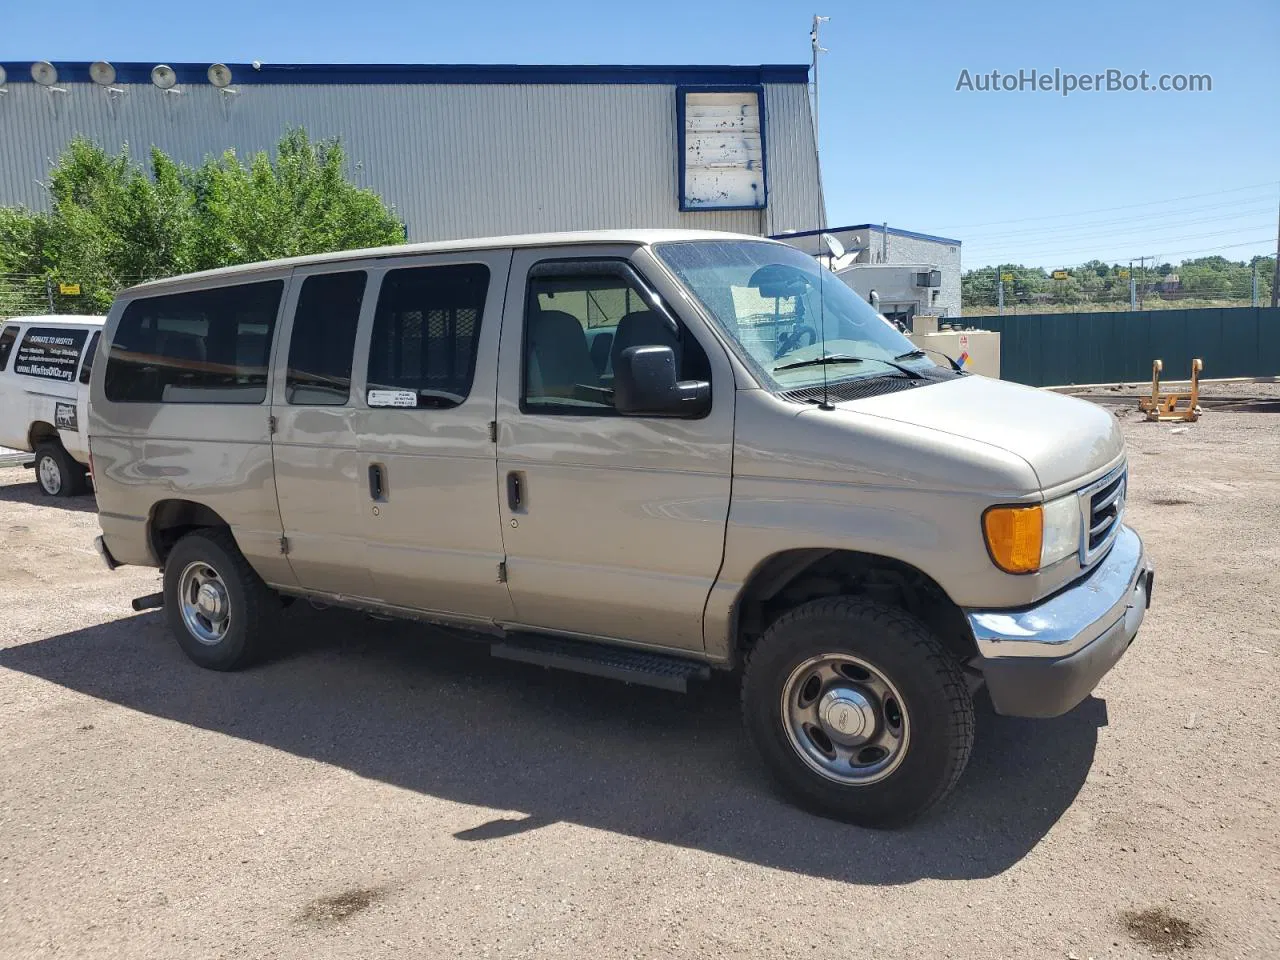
[{"x": 929, "y": 278}]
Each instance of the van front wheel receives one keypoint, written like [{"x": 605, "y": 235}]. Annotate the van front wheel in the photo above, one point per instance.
[
  {"x": 217, "y": 606},
  {"x": 858, "y": 711}
]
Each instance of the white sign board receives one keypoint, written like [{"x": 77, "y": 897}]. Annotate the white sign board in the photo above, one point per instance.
[{"x": 723, "y": 162}]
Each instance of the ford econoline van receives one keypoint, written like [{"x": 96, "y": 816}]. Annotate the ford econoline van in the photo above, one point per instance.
[
  {"x": 44, "y": 394},
  {"x": 643, "y": 455}
]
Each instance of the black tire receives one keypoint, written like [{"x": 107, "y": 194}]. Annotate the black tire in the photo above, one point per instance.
[
  {"x": 900, "y": 647},
  {"x": 57, "y": 472},
  {"x": 252, "y": 605}
]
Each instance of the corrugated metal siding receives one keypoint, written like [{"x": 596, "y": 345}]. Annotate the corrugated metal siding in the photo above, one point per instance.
[
  {"x": 1056, "y": 349},
  {"x": 455, "y": 160}
]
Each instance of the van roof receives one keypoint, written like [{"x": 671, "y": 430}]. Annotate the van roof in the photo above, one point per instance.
[
  {"x": 578, "y": 237},
  {"x": 58, "y": 320}
]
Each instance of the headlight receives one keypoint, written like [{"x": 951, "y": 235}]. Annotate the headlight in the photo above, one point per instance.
[
  {"x": 1061, "y": 530},
  {"x": 1027, "y": 539}
]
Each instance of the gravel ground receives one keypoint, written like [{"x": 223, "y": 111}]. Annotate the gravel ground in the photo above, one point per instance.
[{"x": 375, "y": 791}]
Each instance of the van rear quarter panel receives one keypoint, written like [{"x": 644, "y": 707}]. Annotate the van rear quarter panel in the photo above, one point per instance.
[{"x": 217, "y": 455}]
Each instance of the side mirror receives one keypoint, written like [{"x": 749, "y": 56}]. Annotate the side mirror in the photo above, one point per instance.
[{"x": 644, "y": 382}]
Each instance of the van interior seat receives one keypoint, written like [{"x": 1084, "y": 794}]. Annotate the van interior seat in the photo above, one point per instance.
[
  {"x": 180, "y": 346},
  {"x": 560, "y": 357},
  {"x": 644, "y": 328}
]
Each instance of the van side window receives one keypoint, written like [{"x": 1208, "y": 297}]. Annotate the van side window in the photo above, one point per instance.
[
  {"x": 575, "y": 328},
  {"x": 425, "y": 335},
  {"x": 324, "y": 338},
  {"x": 206, "y": 346},
  {"x": 50, "y": 353},
  {"x": 86, "y": 367},
  {"x": 8, "y": 336}
]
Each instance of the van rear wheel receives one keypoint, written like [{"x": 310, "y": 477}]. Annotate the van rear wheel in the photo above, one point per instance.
[
  {"x": 858, "y": 711},
  {"x": 217, "y": 606},
  {"x": 57, "y": 473}
]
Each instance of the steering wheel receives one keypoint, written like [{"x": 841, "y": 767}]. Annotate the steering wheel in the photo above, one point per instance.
[{"x": 792, "y": 340}]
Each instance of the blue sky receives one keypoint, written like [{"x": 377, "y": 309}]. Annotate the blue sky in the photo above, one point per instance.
[{"x": 1022, "y": 177}]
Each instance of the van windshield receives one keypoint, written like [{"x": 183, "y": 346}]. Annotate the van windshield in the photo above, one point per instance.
[{"x": 784, "y": 313}]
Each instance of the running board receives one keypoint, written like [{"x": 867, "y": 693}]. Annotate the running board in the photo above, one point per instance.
[{"x": 600, "y": 660}]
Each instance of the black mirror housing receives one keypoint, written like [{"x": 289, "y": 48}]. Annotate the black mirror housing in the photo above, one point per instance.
[{"x": 644, "y": 383}]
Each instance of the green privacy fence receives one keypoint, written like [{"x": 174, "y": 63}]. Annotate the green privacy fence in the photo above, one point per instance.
[{"x": 1055, "y": 349}]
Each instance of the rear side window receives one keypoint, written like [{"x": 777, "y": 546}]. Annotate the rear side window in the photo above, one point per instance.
[
  {"x": 425, "y": 334},
  {"x": 8, "y": 336},
  {"x": 323, "y": 339},
  {"x": 86, "y": 368},
  {"x": 207, "y": 346},
  {"x": 50, "y": 353}
]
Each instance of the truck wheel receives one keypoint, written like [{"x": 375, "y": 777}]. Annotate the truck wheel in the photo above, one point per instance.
[
  {"x": 858, "y": 711},
  {"x": 57, "y": 473},
  {"x": 218, "y": 607}
]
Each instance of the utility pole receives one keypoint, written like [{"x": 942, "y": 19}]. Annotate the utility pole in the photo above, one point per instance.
[
  {"x": 817, "y": 49},
  {"x": 1133, "y": 288},
  {"x": 1253, "y": 286},
  {"x": 1275, "y": 280},
  {"x": 1000, "y": 291}
]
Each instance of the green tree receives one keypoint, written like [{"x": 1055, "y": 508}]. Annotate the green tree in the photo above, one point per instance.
[
  {"x": 113, "y": 223},
  {"x": 302, "y": 203}
]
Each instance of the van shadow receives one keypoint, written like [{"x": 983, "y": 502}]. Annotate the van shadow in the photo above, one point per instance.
[
  {"x": 443, "y": 718},
  {"x": 29, "y": 493}
]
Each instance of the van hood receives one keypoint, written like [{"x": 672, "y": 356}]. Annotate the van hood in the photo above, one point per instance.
[{"x": 1061, "y": 438}]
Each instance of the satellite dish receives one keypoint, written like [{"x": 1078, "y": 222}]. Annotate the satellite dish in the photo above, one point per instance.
[
  {"x": 44, "y": 73},
  {"x": 220, "y": 75},
  {"x": 102, "y": 73},
  {"x": 163, "y": 76},
  {"x": 3, "y": 76}
]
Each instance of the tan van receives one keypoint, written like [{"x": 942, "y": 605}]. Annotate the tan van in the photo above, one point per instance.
[{"x": 641, "y": 455}]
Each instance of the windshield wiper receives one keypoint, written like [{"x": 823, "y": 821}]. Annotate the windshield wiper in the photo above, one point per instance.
[
  {"x": 919, "y": 354},
  {"x": 818, "y": 361},
  {"x": 846, "y": 358}
]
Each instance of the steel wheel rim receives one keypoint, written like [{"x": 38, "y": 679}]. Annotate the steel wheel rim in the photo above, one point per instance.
[
  {"x": 50, "y": 475},
  {"x": 204, "y": 602},
  {"x": 845, "y": 719}
]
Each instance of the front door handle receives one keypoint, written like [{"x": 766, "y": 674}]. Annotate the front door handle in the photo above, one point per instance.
[
  {"x": 377, "y": 483},
  {"x": 515, "y": 490}
]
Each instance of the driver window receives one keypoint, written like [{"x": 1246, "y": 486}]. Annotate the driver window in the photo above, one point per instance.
[{"x": 575, "y": 327}]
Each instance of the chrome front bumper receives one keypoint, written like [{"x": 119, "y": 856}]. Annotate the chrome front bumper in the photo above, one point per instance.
[{"x": 1041, "y": 661}]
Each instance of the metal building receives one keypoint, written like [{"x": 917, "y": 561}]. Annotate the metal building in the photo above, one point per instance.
[
  {"x": 458, "y": 150},
  {"x": 912, "y": 273}
]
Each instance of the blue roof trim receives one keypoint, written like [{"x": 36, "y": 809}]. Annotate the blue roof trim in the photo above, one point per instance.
[
  {"x": 893, "y": 232},
  {"x": 19, "y": 71}
]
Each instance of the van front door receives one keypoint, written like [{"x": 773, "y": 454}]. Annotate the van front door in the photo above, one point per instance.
[
  {"x": 613, "y": 525},
  {"x": 429, "y": 465}
]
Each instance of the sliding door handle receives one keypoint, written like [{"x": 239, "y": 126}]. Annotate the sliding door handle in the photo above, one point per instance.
[
  {"x": 515, "y": 490},
  {"x": 377, "y": 483}
]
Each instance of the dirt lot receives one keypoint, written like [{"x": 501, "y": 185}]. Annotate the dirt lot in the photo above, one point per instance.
[{"x": 372, "y": 792}]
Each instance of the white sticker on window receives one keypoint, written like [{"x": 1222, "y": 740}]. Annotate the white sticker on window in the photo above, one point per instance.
[{"x": 393, "y": 398}]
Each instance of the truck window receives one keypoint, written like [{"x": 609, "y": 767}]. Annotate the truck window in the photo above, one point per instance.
[
  {"x": 50, "y": 353},
  {"x": 8, "y": 336},
  {"x": 86, "y": 367},
  {"x": 206, "y": 346},
  {"x": 324, "y": 338},
  {"x": 425, "y": 333},
  {"x": 574, "y": 329}
]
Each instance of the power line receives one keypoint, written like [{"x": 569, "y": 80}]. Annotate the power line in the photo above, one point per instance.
[
  {"x": 1041, "y": 249},
  {"x": 1126, "y": 206},
  {"x": 1252, "y": 207}
]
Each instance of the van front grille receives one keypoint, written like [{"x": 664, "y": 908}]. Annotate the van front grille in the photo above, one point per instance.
[{"x": 1104, "y": 513}]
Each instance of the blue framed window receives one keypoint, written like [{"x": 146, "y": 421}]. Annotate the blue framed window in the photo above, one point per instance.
[{"x": 721, "y": 148}]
